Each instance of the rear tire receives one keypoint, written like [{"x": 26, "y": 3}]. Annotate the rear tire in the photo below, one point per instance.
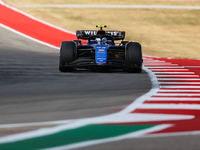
[
  {"x": 67, "y": 55},
  {"x": 134, "y": 56}
]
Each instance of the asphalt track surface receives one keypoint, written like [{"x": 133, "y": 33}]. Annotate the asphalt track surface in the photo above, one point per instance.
[{"x": 32, "y": 89}]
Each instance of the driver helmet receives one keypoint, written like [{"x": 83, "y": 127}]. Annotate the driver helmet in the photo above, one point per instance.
[
  {"x": 97, "y": 40},
  {"x": 104, "y": 40}
]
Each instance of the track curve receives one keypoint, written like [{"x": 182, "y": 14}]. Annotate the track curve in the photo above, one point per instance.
[{"x": 32, "y": 88}]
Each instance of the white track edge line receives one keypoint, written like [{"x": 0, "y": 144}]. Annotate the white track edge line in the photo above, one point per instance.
[
  {"x": 28, "y": 37},
  {"x": 34, "y": 18},
  {"x": 174, "y": 91},
  {"x": 140, "y": 100},
  {"x": 172, "y": 99},
  {"x": 81, "y": 122}
]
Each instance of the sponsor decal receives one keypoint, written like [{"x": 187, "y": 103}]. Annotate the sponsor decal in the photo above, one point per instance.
[
  {"x": 101, "y": 50},
  {"x": 112, "y": 33},
  {"x": 101, "y": 54},
  {"x": 92, "y": 32}
]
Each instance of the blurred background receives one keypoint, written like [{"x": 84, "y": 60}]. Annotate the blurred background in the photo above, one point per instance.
[{"x": 162, "y": 32}]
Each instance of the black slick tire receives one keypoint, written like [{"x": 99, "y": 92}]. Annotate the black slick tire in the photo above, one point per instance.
[
  {"x": 133, "y": 55},
  {"x": 67, "y": 55}
]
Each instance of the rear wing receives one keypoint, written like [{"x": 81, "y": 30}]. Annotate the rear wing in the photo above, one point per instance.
[{"x": 84, "y": 34}]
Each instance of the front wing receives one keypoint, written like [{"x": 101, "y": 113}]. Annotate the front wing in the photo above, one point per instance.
[{"x": 91, "y": 63}]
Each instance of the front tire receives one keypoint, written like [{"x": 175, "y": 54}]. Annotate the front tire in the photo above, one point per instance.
[
  {"x": 67, "y": 55},
  {"x": 134, "y": 56}
]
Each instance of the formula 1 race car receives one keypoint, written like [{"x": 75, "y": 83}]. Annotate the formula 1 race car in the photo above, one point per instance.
[{"x": 100, "y": 52}]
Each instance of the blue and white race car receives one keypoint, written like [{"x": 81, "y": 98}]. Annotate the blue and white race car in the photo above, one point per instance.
[{"x": 100, "y": 52}]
